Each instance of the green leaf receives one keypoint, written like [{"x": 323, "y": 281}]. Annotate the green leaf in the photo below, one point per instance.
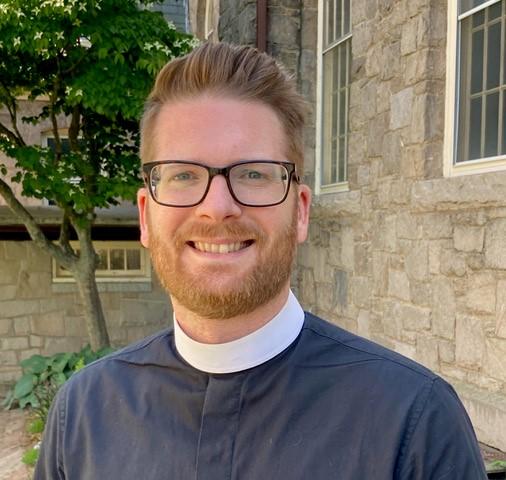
[
  {"x": 25, "y": 385},
  {"x": 60, "y": 361},
  {"x": 29, "y": 400},
  {"x": 34, "y": 364},
  {"x": 60, "y": 379}
]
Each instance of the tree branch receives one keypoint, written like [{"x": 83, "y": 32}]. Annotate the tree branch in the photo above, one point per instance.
[
  {"x": 12, "y": 136},
  {"x": 35, "y": 232}
]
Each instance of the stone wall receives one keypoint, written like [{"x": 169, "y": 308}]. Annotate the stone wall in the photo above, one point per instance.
[
  {"x": 41, "y": 317},
  {"x": 410, "y": 259},
  {"x": 406, "y": 257}
]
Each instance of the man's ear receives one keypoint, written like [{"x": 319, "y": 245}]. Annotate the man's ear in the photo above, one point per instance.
[
  {"x": 142, "y": 205},
  {"x": 304, "y": 205}
]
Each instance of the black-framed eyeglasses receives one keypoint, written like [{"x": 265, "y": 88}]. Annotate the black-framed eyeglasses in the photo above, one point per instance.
[{"x": 252, "y": 183}]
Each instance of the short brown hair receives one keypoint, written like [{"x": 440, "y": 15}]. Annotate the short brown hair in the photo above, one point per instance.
[{"x": 240, "y": 72}]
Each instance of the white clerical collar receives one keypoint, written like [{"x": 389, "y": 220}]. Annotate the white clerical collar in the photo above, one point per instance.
[{"x": 245, "y": 352}]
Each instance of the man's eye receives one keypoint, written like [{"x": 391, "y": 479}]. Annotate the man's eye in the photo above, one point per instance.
[
  {"x": 182, "y": 177},
  {"x": 253, "y": 175}
]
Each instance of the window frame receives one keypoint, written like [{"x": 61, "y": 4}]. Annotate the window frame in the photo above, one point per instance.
[
  {"x": 143, "y": 274},
  {"x": 344, "y": 185},
  {"x": 453, "y": 58}
]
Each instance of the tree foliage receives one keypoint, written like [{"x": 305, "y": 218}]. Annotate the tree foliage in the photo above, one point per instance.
[{"x": 89, "y": 64}]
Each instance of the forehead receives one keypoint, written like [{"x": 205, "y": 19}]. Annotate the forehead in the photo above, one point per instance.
[{"x": 218, "y": 131}]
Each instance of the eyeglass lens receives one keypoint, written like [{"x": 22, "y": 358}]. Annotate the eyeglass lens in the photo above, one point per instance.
[{"x": 181, "y": 184}]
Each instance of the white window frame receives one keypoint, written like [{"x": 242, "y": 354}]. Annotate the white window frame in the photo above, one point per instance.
[
  {"x": 341, "y": 186},
  {"x": 452, "y": 169},
  {"x": 60, "y": 275},
  {"x": 210, "y": 20}
]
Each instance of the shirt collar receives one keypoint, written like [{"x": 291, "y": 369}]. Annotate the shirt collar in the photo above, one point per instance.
[{"x": 245, "y": 352}]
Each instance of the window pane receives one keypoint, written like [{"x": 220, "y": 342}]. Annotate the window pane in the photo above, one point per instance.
[
  {"x": 491, "y": 125},
  {"x": 339, "y": 19},
  {"x": 495, "y": 11},
  {"x": 133, "y": 258},
  {"x": 342, "y": 112},
  {"x": 342, "y": 156},
  {"x": 330, "y": 22},
  {"x": 117, "y": 259},
  {"x": 475, "y": 130},
  {"x": 478, "y": 18},
  {"x": 494, "y": 55},
  {"x": 102, "y": 262},
  {"x": 347, "y": 17},
  {"x": 466, "y": 5},
  {"x": 333, "y": 170},
  {"x": 477, "y": 62}
]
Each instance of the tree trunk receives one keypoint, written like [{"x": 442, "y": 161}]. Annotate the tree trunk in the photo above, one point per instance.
[{"x": 87, "y": 284}]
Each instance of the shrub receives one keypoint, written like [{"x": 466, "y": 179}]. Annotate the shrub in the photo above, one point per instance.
[{"x": 43, "y": 376}]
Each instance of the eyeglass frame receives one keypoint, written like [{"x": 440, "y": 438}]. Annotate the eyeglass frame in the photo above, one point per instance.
[{"x": 225, "y": 172}]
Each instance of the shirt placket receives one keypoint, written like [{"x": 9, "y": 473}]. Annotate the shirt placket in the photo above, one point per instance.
[{"x": 219, "y": 426}]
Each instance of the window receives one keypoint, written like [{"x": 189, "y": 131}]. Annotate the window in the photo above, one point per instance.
[
  {"x": 475, "y": 138},
  {"x": 119, "y": 261},
  {"x": 334, "y": 61}
]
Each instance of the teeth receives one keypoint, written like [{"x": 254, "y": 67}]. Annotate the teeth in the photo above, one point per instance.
[{"x": 219, "y": 247}]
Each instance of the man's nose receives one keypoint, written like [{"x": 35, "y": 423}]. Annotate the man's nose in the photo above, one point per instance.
[{"x": 218, "y": 204}]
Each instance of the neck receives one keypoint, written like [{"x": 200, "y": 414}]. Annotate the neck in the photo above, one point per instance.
[{"x": 205, "y": 330}]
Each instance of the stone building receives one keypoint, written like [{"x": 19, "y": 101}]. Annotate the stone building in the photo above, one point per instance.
[{"x": 406, "y": 154}]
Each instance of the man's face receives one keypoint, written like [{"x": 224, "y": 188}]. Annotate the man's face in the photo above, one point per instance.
[{"x": 220, "y": 259}]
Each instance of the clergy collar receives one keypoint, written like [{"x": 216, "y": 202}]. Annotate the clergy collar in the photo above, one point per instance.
[{"x": 245, "y": 352}]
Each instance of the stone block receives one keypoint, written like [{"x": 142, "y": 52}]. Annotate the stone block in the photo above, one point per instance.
[
  {"x": 443, "y": 308},
  {"x": 495, "y": 244},
  {"x": 36, "y": 341},
  {"x": 421, "y": 293},
  {"x": 309, "y": 28},
  {"x": 407, "y": 226},
  {"x": 307, "y": 287},
  {"x": 376, "y": 130},
  {"x": 5, "y": 326},
  {"x": 362, "y": 259},
  {"x": 434, "y": 257},
  {"x": 417, "y": 262},
  {"x": 446, "y": 351},
  {"x": 21, "y": 325},
  {"x": 500, "y": 329},
  {"x": 391, "y": 153},
  {"x": 452, "y": 263},
  {"x": 28, "y": 353},
  {"x": 7, "y": 292},
  {"x": 14, "y": 343},
  {"x": 481, "y": 294},
  {"x": 62, "y": 344},
  {"x": 469, "y": 342},
  {"x": 17, "y": 308},
  {"x": 363, "y": 323},
  {"x": 401, "y": 105},
  {"x": 427, "y": 352},
  {"x": 398, "y": 285},
  {"x": 341, "y": 288},
  {"x": 76, "y": 326},
  {"x": 405, "y": 349},
  {"x": 8, "y": 357},
  {"x": 362, "y": 38},
  {"x": 468, "y": 239},
  {"x": 414, "y": 318},
  {"x": 436, "y": 226},
  {"x": 361, "y": 291},
  {"x": 392, "y": 319},
  {"x": 495, "y": 358},
  {"x": 386, "y": 234},
  {"x": 50, "y": 324},
  {"x": 347, "y": 248},
  {"x": 380, "y": 273},
  {"x": 325, "y": 296},
  {"x": 408, "y": 37}
]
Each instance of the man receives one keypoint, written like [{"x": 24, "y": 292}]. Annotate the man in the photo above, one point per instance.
[{"x": 246, "y": 386}]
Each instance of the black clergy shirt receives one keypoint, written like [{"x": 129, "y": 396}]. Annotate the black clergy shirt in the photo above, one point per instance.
[{"x": 330, "y": 406}]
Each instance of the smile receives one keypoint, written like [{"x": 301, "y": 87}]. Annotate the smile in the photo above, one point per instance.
[{"x": 220, "y": 247}]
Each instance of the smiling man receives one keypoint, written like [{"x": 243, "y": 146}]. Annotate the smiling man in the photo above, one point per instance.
[{"x": 246, "y": 386}]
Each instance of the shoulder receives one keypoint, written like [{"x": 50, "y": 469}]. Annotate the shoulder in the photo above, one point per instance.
[
  {"x": 155, "y": 349},
  {"x": 374, "y": 362}
]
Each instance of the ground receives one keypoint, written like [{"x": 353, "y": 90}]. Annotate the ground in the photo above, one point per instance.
[{"x": 14, "y": 441}]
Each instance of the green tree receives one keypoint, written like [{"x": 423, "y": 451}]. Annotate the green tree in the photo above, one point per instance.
[{"x": 92, "y": 63}]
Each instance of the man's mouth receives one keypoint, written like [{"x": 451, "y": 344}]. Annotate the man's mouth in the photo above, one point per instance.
[{"x": 220, "y": 247}]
